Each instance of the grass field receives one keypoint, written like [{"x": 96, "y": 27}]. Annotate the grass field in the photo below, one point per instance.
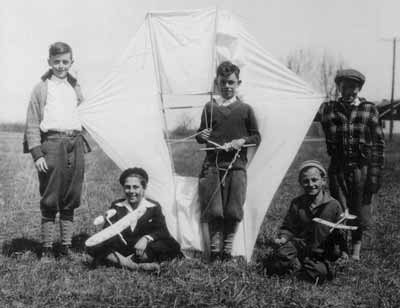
[{"x": 25, "y": 282}]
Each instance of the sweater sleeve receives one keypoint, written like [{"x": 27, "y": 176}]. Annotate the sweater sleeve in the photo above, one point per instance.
[
  {"x": 203, "y": 124},
  {"x": 85, "y": 133},
  {"x": 378, "y": 141},
  {"x": 158, "y": 228},
  {"x": 32, "y": 127},
  {"x": 254, "y": 136},
  {"x": 288, "y": 227}
]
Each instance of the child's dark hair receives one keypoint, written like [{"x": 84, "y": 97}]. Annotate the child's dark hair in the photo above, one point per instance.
[
  {"x": 227, "y": 68},
  {"x": 59, "y": 48},
  {"x": 137, "y": 172}
]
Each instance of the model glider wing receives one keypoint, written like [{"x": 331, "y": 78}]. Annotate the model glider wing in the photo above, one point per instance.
[{"x": 334, "y": 225}]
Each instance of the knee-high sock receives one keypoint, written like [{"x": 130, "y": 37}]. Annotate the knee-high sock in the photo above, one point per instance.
[
  {"x": 66, "y": 231},
  {"x": 230, "y": 229},
  {"x": 47, "y": 231},
  {"x": 216, "y": 236},
  {"x": 356, "y": 250}
]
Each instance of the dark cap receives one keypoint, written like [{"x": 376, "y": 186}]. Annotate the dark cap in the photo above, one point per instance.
[{"x": 350, "y": 74}]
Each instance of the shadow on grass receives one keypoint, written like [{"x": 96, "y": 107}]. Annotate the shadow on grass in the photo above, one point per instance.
[{"x": 17, "y": 246}]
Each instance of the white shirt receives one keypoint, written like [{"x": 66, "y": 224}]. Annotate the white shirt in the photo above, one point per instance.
[
  {"x": 356, "y": 102},
  {"x": 60, "y": 111},
  {"x": 225, "y": 102}
]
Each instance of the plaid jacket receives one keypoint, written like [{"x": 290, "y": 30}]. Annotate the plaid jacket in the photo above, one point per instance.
[{"x": 353, "y": 133}]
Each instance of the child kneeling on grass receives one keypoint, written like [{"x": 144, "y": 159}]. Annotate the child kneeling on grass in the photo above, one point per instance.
[
  {"x": 307, "y": 248},
  {"x": 146, "y": 241}
]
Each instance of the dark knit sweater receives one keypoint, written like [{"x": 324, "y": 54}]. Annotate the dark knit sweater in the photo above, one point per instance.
[
  {"x": 298, "y": 221},
  {"x": 234, "y": 121}
]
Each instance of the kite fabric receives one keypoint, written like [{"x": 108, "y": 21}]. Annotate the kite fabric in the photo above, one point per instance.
[{"x": 176, "y": 53}]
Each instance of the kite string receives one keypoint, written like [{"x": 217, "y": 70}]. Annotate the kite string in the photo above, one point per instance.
[
  {"x": 208, "y": 124},
  {"x": 212, "y": 107},
  {"x": 184, "y": 139},
  {"x": 222, "y": 181}
]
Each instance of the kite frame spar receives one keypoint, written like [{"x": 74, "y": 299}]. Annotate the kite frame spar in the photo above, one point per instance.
[
  {"x": 276, "y": 93},
  {"x": 204, "y": 225}
]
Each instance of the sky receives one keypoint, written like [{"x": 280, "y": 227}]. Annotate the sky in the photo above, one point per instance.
[{"x": 358, "y": 31}]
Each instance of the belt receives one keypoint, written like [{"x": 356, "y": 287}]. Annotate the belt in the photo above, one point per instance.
[{"x": 62, "y": 134}]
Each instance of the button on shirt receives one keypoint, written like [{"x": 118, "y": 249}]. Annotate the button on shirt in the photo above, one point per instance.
[{"x": 60, "y": 111}]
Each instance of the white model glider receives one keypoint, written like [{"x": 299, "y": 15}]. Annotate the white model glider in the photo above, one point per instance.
[
  {"x": 176, "y": 53},
  {"x": 339, "y": 224}
]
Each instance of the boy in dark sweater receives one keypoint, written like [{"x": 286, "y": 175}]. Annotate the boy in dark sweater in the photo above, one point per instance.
[
  {"x": 229, "y": 122},
  {"x": 306, "y": 247}
]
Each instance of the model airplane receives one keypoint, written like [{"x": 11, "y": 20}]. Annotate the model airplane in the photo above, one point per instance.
[{"x": 339, "y": 224}]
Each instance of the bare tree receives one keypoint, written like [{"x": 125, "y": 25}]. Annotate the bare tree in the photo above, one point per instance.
[
  {"x": 184, "y": 126},
  {"x": 318, "y": 69}
]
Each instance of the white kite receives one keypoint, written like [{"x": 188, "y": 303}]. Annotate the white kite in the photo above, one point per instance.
[{"x": 176, "y": 53}]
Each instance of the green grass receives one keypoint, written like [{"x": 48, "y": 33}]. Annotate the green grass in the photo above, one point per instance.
[{"x": 25, "y": 282}]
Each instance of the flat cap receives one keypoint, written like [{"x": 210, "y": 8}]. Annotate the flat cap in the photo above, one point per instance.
[
  {"x": 312, "y": 163},
  {"x": 350, "y": 74}
]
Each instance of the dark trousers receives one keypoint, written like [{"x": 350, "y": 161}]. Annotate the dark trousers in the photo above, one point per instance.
[
  {"x": 294, "y": 257},
  {"x": 156, "y": 251},
  {"x": 222, "y": 200},
  {"x": 222, "y": 196},
  {"x": 61, "y": 186},
  {"x": 348, "y": 184}
]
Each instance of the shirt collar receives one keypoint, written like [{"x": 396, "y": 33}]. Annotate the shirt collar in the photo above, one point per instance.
[
  {"x": 57, "y": 80},
  {"x": 143, "y": 204},
  {"x": 225, "y": 102},
  {"x": 325, "y": 199},
  {"x": 356, "y": 102}
]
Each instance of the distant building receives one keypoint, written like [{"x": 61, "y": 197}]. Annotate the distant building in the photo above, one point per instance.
[{"x": 385, "y": 116}]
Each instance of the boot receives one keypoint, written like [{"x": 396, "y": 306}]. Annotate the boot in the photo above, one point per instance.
[
  {"x": 47, "y": 255},
  {"x": 216, "y": 245},
  {"x": 47, "y": 235}
]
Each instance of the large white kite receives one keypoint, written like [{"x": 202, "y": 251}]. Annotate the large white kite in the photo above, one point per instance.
[{"x": 176, "y": 53}]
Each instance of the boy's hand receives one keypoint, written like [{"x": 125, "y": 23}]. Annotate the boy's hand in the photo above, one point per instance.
[
  {"x": 205, "y": 134},
  {"x": 345, "y": 213},
  {"x": 41, "y": 165},
  {"x": 373, "y": 180},
  {"x": 141, "y": 245},
  {"x": 280, "y": 241},
  {"x": 237, "y": 143},
  {"x": 99, "y": 220},
  {"x": 373, "y": 184}
]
